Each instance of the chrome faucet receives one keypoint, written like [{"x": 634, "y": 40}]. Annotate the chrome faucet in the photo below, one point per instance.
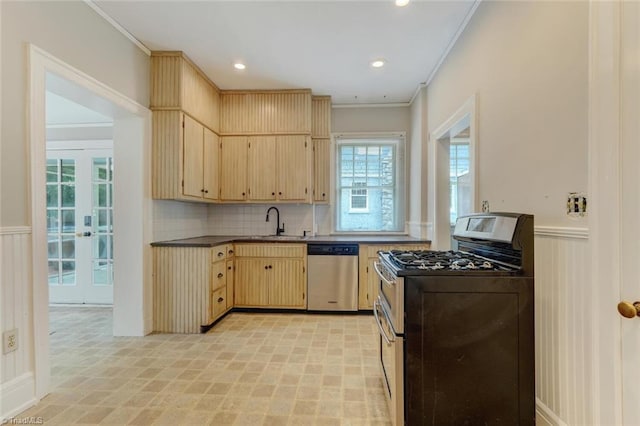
[{"x": 278, "y": 229}]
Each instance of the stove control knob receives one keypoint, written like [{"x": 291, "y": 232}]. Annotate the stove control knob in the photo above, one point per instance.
[{"x": 629, "y": 310}]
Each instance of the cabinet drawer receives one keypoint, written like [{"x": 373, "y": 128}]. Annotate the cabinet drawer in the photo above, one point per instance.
[
  {"x": 271, "y": 250},
  {"x": 218, "y": 302},
  {"x": 218, "y": 275},
  {"x": 219, "y": 253}
]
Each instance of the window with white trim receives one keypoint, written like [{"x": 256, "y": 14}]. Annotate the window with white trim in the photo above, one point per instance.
[{"x": 369, "y": 183}]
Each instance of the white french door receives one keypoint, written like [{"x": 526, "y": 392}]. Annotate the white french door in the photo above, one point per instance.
[{"x": 80, "y": 225}]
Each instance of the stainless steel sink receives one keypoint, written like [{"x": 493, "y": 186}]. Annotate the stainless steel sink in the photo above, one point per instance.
[
  {"x": 284, "y": 237},
  {"x": 276, "y": 237}
]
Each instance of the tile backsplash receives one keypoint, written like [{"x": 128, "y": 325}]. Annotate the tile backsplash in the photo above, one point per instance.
[
  {"x": 250, "y": 219},
  {"x": 176, "y": 219}
]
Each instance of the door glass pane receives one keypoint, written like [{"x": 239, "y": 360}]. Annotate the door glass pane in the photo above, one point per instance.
[
  {"x": 68, "y": 247},
  {"x": 52, "y": 170},
  {"x": 102, "y": 176},
  {"x": 52, "y": 220},
  {"x": 52, "y": 246},
  {"x": 68, "y": 195},
  {"x": 61, "y": 242},
  {"x": 54, "y": 272},
  {"x": 68, "y": 272},
  {"x": 68, "y": 220},
  {"x": 68, "y": 171},
  {"x": 52, "y": 195},
  {"x": 102, "y": 273}
]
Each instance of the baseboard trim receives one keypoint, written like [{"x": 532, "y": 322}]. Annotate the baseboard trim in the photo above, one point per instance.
[
  {"x": 562, "y": 232},
  {"x": 17, "y": 395},
  {"x": 546, "y": 417}
]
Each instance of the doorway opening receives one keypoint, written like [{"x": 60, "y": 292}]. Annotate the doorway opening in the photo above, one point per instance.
[
  {"x": 79, "y": 207},
  {"x": 454, "y": 172},
  {"x": 127, "y": 126}
]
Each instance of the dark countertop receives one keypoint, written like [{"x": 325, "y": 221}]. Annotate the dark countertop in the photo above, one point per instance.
[{"x": 214, "y": 240}]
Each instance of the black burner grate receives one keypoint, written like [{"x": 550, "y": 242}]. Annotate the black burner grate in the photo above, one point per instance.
[{"x": 435, "y": 260}]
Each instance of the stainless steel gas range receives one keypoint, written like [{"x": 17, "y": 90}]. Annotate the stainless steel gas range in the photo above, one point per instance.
[{"x": 456, "y": 327}]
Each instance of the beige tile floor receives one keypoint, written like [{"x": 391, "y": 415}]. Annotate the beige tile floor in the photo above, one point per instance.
[{"x": 250, "y": 369}]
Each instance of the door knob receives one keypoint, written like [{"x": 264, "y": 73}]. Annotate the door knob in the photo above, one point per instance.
[{"x": 629, "y": 310}]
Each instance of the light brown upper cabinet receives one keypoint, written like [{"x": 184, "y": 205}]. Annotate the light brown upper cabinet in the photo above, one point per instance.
[
  {"x": 321, "y": 117},
  {"x": 233, "y": 168},
  {"x": 294, "y": 154},
  {"x": 265, "y": 112},
  {"x": 185, "y": 158},
  {"x": 321, "y": 169},
  {"x": 321, "y": 134},
  {"x": 278, "y": 168},
  {"x": 262, "y": 168},
  {"x": 178, "y": 84},
  {"x": 201, "y": 159}
]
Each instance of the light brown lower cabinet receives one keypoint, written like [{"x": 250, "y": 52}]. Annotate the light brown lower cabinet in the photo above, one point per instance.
[
  {"x": 190, "y": 287},
  {"x": 270, "y": 276},
  {"x": 368, "y": 280}
]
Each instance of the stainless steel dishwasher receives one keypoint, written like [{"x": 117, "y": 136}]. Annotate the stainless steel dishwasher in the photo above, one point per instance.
[{"x": 332, "y": 277}]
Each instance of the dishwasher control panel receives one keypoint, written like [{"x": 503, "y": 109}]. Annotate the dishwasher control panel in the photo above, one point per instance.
[{"x": 333, "y": 249}]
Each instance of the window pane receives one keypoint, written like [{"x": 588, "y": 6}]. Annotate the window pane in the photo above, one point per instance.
[
  {"x": 103, "y": 224},
  {"x": 54, "y": 271},
  {"x": 68, "y": 195},
  {"x": 68, "y": 247},
  {"x": 100, "y": 171},
  {"x": 52, "y": 170},
  {"x": 100, "y": 195},
  {"x": 52, "y": 220},
  {"x": 367, "y": 186},
  {"x": 52, "y": 246},
  {"x": 52, "y": 195},
  {"x": 68, "y": 221},
  {"x": 68, "y": 273},
  {"x": 101, "y": 242},
  {"x": 68, "y": 171}
]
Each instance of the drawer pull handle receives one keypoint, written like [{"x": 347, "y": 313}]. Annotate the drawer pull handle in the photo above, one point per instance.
[
  {"x": 220, "y": 254},
  {"x": 220, "y": 275},
  {"x": 220, "y": 299},
  {"x": 230, "y": 251}
]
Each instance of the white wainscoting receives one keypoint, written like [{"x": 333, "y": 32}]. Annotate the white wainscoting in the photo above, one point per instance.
[
  {"x": 564, "y": 379},
  {"x": 16, "y": 379}
]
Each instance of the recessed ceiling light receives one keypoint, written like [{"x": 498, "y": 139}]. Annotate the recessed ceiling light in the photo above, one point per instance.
[
  {"x": 239, "y": 66},
  {"x": 377, "y": 63},
  {"x": 401, "y": 3}
]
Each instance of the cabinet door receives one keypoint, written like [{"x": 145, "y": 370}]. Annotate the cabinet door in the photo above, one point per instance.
[
  {"x": 262, "y": 168},
  {"x": 230, "y": 283},
  {"x": 321, "y": 169},
  {"x": 251, "y": 286},
  {"x": 192, "y": 157},
  {"x": 287, "y": 283},
  {"x": 233, "y": 168},
  {"x": 211, "y": 165},
  {"x": 293, "y": 168}
]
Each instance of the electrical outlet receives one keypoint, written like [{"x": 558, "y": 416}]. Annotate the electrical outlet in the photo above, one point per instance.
[
  {"x": 10, "y": 341},
  {"x": 485, "y": 206},
  {"x": 576, "y": 204}
]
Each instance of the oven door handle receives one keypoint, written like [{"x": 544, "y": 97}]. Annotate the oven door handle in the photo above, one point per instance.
[
  {"x": 376, "y": 305},
  {"x": 382, "y": 277}
]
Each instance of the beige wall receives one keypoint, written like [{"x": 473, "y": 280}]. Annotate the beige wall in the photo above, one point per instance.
[
  {"x": 527, "y": 62},
  {"x": 74, "y": 33},
  {"x": 417, "y": 217}
]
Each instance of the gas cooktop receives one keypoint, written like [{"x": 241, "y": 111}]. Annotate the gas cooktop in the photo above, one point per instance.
[{"x": 431, "y": 260}]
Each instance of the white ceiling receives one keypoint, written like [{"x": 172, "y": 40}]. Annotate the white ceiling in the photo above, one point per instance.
[
  {"x": 61, "y": 111},
  {"x": 322, "y": 45}
]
